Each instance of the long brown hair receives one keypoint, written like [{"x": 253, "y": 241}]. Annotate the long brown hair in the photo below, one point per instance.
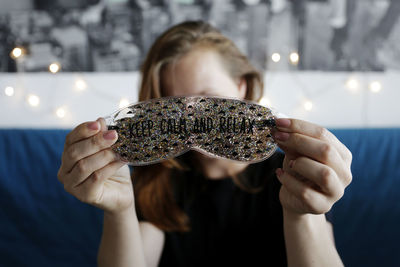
[{"x": 152, "y": 184}]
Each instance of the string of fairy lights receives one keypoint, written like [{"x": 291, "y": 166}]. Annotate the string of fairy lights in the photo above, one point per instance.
[
  {"x": 353, "y": 84},
  {"x": 55, "y": 67}
]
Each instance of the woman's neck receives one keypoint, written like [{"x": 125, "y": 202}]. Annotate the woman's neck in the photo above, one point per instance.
[{"x": 214, "y": 168}]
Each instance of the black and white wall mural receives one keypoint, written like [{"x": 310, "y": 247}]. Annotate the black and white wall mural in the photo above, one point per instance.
[{"x": 114, "y": 35}]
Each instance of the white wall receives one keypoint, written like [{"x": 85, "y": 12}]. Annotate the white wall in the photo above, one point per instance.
[{"x": 334, "y": 105}]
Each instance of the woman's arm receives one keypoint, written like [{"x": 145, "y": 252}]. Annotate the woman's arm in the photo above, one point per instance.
[
  {"x": 309, "y": 241},
  {"x": 316, "y": 170},
  {"x": 128, "y": 242},
  {"x": 153, "y": 243},
  {"x": 121, "y": 242},
  {"x": 92, "y": 172}
]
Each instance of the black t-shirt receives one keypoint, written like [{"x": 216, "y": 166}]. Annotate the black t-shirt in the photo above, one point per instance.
[{"x": 229, "y": 226}]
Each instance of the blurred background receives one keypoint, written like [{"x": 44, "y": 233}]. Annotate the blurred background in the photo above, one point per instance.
[
  {"x": 332, "y": 62},
  {"x": 62, "y": 62}
]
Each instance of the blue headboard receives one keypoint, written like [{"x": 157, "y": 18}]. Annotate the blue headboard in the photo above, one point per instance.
[{"x": 42, "y": 225}]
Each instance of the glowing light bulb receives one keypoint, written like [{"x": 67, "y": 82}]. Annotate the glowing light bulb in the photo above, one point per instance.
[
  {"x": 352, "y": 84},
  {"x": 375, "y": 87},
  {"x": 80, "y": 85},
  {"x": 60, "y": 112},
  {"x": 308, "y": 105},
  {"x": 54, "y": 67},
  {"x": 33, "y": 100},
  {"x": 124, "y": 102},
  {"x": 264, "y": 101},
  {"x": 276, "y": 57},
  {"x": 9, "y": 91},
  {"x": 17, "y": 52},
  {"x": 294, "y": 58}
]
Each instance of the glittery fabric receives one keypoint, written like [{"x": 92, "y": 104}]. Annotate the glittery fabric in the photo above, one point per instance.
[{"x": 162, "y": 128}]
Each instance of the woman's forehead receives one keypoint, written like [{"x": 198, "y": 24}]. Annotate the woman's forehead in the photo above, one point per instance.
[{"x": 197, "y": 71}]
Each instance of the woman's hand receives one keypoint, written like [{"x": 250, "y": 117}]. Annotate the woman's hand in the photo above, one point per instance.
[
  {"x": 91, "y": 171},
  {"x": 316, "y": 168}
]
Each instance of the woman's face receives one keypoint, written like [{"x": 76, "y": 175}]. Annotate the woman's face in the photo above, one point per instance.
[{"x": 200, "y": 72}]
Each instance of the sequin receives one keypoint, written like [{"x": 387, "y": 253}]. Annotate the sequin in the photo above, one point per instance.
[{"x": 163, "y": 128}]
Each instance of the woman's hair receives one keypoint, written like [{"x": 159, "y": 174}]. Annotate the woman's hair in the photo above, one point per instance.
[{"x": 152, "y": 184}]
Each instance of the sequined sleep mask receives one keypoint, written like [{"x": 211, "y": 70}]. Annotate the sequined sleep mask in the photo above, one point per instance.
[{"x": 163, "y": 128}]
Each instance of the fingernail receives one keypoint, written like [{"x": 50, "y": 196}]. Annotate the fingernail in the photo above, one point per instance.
[
  {"x": 279, "y": 172},
  {"x": 282, "y": 122},
  {"x": 281, "y": 136},
  {"x": 110, "y": 135},
  {"x": 291, "y": 162},
  {"x": 93, "y": 125}
]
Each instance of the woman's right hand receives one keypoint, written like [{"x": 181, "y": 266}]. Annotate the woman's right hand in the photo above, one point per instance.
[{"x": 92, "y": 172}]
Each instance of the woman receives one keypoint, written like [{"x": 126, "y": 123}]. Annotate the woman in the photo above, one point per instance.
[{"x": 196, "y": 210}]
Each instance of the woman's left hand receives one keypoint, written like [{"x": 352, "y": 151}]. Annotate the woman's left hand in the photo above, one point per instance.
[{"x": 316, "y": 168}]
